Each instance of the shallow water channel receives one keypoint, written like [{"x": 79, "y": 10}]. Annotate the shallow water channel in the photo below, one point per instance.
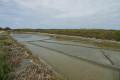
[{"x": 64, "y": 57}]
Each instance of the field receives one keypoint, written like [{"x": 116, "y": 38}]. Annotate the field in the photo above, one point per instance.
[{"x": 89, "y": 33}]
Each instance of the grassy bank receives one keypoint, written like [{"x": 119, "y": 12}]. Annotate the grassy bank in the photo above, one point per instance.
[
  {"x": 5, "y": 66},
  {"x": 89, "y": 33},
  {"x": 18, "y": 63}
]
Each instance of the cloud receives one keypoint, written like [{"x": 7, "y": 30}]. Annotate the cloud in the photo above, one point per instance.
[
  {"x": 73, "y": 9},
  {"x": 61, "y": 12},
  {"x": 63, "y": 8}
]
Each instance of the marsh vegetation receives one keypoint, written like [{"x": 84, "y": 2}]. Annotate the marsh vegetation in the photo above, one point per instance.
[{"x": 89, "y": 33}]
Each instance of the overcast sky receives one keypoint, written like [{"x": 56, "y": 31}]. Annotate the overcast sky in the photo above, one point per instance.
[{"x": 104, "y": 14}]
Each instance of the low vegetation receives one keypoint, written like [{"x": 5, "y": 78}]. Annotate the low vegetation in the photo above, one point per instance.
[
  {"x": 89, "y": 33},
  {"x": 108, "y": 45},
  {"x": 5, "y": 66}
]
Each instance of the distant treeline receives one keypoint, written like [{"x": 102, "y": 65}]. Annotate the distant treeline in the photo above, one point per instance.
[
  {"x": 89, "y": 33},
  {"x": 6, "y": 28}
]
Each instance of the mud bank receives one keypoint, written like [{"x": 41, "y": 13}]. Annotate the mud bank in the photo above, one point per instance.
[{"x": 23, "y": 65}]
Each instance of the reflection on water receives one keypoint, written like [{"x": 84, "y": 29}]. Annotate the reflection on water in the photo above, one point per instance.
[
  {"x": 27, "y": 37},
  {"x": 70, "y": 67}
]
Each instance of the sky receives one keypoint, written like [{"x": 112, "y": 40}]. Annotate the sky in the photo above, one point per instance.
[{"x": 60, "y": 14}]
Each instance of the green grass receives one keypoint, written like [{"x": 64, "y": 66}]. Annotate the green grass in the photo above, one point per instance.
[{"x": 5, "y": 67}]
